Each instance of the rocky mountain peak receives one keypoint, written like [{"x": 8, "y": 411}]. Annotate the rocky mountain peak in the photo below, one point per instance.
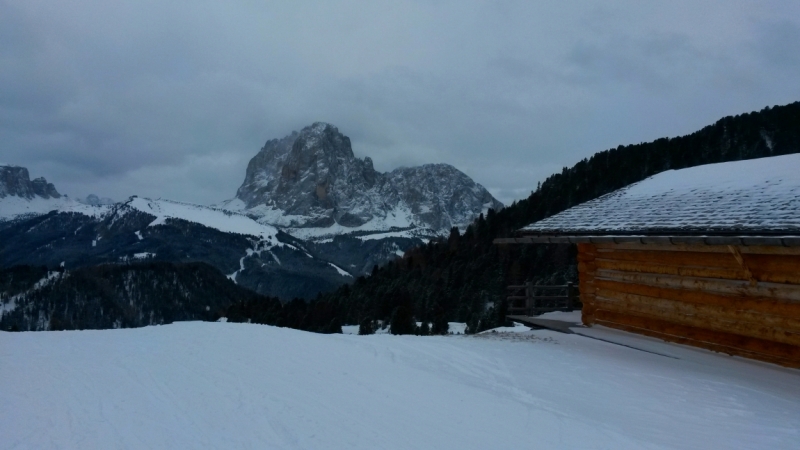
[
  {"x": 15, "y": 181},
  {"x": 312, "y": 178}
]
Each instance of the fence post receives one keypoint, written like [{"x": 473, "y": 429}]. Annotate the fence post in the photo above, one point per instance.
[
  {"x": 530, "y": 302},
  {"x": 570, "y": 294}
]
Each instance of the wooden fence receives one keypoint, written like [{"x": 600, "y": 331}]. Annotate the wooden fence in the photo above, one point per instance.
[{"x": 531, "y": 300}]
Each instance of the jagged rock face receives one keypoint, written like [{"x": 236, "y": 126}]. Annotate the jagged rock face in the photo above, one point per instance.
[
  {"x": 314, "y": 177},
  {"x": 15, "y": 181},
  {"x": 94, "y": 200},
  {"x": 264, "y": 170},
  {"x": 441, "y": 195}
]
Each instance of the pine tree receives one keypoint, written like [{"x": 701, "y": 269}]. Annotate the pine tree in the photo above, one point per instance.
[
  {"x": 366, "y": 327},
  {"x": 424, "y": 329},
  {"x": 402, "y": 321}
]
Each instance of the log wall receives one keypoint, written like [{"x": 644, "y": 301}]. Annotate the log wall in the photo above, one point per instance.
[{"x": 738, "y": 300}]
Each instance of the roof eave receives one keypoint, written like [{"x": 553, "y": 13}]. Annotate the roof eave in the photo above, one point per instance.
[{"x": 666, "y": 239}]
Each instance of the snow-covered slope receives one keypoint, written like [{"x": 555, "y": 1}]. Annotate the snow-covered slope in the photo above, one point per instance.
[
  {"x": 225, "y": 221},
  {"x": 13, "y": 207},
  {"x": 222, "y": 385},
  {"x": 312, "y": 179}
]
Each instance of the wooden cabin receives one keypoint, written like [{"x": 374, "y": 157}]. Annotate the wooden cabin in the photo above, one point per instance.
[{"x": 707, "y": 256}]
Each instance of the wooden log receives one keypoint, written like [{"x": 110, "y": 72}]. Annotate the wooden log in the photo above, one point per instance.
[
  {"x": 669, "y": 269},
  {"x": 720, "y": 260},
  {"x": 700, "y": 317},
  {"x": 586, "y": 291},
  {"x": 759, "y": 305},
  {"x": 760, "y": 273},
  {"x": 730, "y": 287},
  {"x": 776, "y": 277},
  {"x": 761, "y": 250},
  {"x": 734, "y": 344},
  {"x": 787, "y": 362},
  {"x": 772, "y": 263},
  {"x": 587, "y": 249},
  {"x": 730, "y": 311},
  {"x": 779, "y": 263}
]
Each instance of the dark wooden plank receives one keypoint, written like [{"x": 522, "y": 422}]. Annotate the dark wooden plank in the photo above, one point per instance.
[{"x": 734, "y": 344}]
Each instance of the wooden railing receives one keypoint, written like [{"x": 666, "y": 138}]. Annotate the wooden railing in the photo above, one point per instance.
[{"x": 531, "y": 300}]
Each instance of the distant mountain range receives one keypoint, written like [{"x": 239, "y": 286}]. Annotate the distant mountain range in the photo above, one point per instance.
[{"x": 309, "y": 217}]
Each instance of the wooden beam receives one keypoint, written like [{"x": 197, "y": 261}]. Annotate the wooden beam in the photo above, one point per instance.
[
  {"x": 701, "y": 317},
  {"x": 762, "y": 305},
  {"x": 761, "y": 273},
  {"x": 734, "y": 344},
  {"x": 671, "y": 258},
  {"x": 754, "y": 249},
  {"x": 787, "y": 292},
  {"x": 783, "y": 361}
]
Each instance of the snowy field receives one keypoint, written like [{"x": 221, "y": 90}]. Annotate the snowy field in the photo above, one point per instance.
[{"x": 223, "y": 385}]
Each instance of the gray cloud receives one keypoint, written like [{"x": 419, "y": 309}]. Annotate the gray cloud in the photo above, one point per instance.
[{"x": 171, "y": 99}]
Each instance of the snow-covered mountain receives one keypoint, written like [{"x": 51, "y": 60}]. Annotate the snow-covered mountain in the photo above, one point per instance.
[
  {"x": 311, "y": 184},
  {"x": 38, "y": 226},
  {"x": 252, "y": 254}
]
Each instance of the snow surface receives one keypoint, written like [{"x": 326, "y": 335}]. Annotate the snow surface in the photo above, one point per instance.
[
  {"x": 564, "y": 316},
  {"x": 749, "y": 196},
  {"x": 224, "y": 385},
  {"x": 516, "y": 328},
  {"x": 224, "y": 221}
]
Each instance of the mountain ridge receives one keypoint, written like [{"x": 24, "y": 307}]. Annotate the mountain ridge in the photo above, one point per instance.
[{"x": 312, "y": 179}]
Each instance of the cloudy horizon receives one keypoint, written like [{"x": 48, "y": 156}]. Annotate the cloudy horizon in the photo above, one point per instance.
[{"x": 166, "y": 99}]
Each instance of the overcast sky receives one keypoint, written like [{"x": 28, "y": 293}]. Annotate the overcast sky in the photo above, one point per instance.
[{"x": 172, "y": 98}]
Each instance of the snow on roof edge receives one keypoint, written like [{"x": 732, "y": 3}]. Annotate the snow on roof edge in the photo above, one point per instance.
[{"x": 756, "y": 196}]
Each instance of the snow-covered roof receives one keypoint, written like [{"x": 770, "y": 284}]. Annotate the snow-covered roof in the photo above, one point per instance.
[{"x": 752, "y": 197}]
